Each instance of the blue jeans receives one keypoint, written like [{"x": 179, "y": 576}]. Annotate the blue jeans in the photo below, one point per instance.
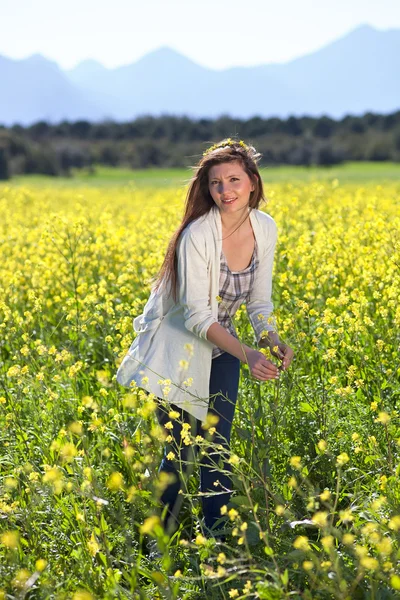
[{"x": 224, "y": 383}]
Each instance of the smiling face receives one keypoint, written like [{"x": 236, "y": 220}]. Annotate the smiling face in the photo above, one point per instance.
[{"x": 230, "y": 186}]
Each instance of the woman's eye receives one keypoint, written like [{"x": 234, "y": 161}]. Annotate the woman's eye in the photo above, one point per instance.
[{"x": 232, "y": 179}]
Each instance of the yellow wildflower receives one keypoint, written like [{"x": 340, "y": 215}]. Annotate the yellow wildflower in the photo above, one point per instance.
[
  {"x": 342, "y": 459},
  {"x": 92, "y": 545},
  {"x": 325, "y": 495},
  {"x": 200, "y": 540},
  {"x": 394, "y": 523},
  {"x": 346, "y": 516},
  {"x": 301, "y": 543},
  {"x": 320, "y": 518},
  {"x": 327, "y": 542},
  {"x": 115, "y": 481},
  {"x": 295, "y": 462},
  {"x": 383, "y": 417},
  {"x": 150, "y": 524},
  {"x": 173, "y": 414},
  {"x": 10, "y": 539},
  {"x": 369, "y": 563},
  {"x": 221, "y": 558},
  {"x": 40, "y": 564},
  {"x": 348, "y": 539}
]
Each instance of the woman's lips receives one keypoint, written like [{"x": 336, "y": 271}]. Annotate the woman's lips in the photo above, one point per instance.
[{"x": 229, "y": 201}]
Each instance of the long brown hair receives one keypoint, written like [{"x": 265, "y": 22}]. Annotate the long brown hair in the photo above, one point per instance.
[{"x": 199, "y": 200}]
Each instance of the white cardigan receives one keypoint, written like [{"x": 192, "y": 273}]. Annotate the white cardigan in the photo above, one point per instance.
[{"x": 171, "y": 356}]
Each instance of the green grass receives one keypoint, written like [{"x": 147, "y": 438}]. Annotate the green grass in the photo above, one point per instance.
[
  {"x": 110, "y": 177},
  {"x": 352, "y": 172}
]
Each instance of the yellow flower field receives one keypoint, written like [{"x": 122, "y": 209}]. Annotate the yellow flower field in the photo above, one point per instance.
[{"x": 315, "y": 455}]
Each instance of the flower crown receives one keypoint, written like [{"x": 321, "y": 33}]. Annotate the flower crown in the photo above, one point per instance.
[{"x": 224, "y": 143}]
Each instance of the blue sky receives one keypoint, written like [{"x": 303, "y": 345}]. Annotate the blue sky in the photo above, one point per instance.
[{"x": 214, "y": 33}]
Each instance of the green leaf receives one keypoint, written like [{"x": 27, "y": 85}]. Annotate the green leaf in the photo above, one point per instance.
[
  {"x": 103, "y": 558},
  {"x": 285, "y": 577},
  {"x": 306, "y": 407},
  {"x": 287, "y": 492},
  {"x": 241, "y": 501},
  {"x": 103, "y": 523}
]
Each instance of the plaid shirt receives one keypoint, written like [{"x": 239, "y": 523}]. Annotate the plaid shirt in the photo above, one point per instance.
[{"x": 234, "y": 289}]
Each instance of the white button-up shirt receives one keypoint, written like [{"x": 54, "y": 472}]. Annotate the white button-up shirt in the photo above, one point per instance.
[{"x": 171, "y": 356}]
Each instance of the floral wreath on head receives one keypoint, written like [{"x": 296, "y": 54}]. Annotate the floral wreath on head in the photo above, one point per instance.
[{"x": 223, "y": 144}]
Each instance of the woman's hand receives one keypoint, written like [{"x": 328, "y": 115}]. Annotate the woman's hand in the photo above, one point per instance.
[
  {"x": 260, "y": 367},
  {"x": 284, "y": 353},
  {"x": 278, "y": 349}
]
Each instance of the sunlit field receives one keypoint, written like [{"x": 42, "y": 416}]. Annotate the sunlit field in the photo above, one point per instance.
[{"x": 315, "y": 512}]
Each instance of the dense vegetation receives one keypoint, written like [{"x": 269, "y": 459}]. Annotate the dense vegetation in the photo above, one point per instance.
[
  {"x": 179, "y": 141},
  {"x": 316, "y": 455}
]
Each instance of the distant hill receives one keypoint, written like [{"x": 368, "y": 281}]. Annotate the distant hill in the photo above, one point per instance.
[
  {"x": 36, "y": 88},
  {"x": 357, "y": 73}
]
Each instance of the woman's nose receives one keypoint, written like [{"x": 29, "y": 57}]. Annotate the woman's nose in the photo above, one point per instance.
[{"x": 223, "y": 187}]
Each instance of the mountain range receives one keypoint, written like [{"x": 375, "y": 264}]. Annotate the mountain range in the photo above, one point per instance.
[{"x": 356, "y": 73}]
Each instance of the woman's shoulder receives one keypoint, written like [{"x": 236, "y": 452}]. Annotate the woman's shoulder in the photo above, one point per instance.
[
  {"x": 265, "y": 221},
  {"x": 199, "y": 228}
]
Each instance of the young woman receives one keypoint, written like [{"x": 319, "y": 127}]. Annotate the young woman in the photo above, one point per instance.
[{"x": 187, "y": 351}]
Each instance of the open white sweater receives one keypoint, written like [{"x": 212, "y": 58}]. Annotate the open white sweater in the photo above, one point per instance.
[{"x": 171, "y": 356}]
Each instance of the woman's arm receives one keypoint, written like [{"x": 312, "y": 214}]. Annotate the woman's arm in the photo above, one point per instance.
[
  {"x": 193, "y": 285},
  {"x": 259, "y": 366},
  {"x": 260, "y": 306}
]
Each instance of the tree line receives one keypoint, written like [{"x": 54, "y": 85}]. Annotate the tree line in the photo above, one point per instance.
[{"x": 168, "y": 141}]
